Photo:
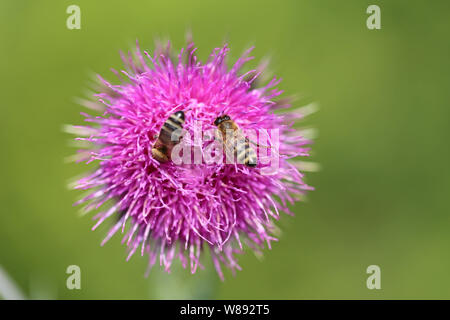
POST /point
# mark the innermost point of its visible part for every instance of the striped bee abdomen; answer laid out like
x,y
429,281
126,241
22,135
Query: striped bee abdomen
x,y
245,154
169,136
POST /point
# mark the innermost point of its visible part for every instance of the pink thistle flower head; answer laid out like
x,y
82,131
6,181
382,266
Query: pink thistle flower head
x,y
172,209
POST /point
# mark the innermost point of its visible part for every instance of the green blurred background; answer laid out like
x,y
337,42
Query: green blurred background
x,y
382,194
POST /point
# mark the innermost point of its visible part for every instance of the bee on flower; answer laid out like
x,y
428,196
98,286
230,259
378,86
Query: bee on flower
x,y
167,210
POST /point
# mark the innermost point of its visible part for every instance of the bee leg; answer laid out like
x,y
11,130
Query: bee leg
x,y
256,144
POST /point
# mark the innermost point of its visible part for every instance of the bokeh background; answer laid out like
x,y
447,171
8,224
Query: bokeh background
x,y
382,195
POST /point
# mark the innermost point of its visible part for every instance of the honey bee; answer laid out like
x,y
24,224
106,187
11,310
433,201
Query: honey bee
x,y
236,143
169,136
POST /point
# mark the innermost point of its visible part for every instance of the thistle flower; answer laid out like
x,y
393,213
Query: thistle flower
x,y
168,210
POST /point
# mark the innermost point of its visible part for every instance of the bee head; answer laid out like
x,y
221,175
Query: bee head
x,y
221,119
179,115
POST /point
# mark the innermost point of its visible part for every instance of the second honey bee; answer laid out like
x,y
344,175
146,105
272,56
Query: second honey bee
x,y
169,136
235,143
